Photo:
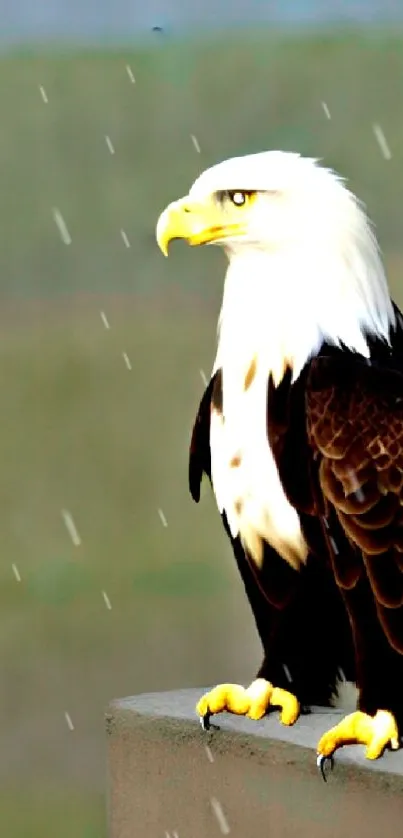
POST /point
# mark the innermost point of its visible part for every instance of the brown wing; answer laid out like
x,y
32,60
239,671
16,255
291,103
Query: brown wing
x,y
355,426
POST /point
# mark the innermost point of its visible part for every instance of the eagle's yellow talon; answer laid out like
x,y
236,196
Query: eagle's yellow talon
x,y
289,704
376,732
231,697
252,702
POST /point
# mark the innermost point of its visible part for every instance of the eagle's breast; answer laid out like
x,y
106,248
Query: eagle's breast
x,y
244,474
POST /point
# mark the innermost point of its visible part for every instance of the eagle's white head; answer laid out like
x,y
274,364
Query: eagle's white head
x,y
304,265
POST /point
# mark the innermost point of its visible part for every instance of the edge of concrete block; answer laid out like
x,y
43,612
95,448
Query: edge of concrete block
x,y
265,774
173,714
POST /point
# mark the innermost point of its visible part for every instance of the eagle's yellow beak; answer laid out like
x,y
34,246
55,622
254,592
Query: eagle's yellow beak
x,y
197,223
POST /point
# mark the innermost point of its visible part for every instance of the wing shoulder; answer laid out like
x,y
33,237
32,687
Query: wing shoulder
x,y
355,416
355,428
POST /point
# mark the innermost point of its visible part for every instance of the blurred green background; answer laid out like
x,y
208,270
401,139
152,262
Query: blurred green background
x,y
83,432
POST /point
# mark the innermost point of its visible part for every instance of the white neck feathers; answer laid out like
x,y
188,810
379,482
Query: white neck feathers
x,y
280,306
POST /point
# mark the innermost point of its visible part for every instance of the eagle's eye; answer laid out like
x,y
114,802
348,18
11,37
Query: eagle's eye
x,y
237,198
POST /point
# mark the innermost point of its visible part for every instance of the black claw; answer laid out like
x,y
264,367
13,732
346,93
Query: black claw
x,y
206,724
205,721
325,765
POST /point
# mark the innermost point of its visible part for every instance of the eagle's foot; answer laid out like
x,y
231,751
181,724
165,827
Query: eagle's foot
x,y
376,732
252,702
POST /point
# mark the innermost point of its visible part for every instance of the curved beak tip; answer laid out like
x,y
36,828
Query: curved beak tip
x,y
162,244
163,248
162,233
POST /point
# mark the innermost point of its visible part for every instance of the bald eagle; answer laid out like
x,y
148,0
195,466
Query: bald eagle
x,y
300,431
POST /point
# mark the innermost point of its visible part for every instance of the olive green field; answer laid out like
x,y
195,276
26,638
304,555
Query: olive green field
x,y
103,346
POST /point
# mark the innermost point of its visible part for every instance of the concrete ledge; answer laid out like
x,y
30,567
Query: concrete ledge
x,y
169,779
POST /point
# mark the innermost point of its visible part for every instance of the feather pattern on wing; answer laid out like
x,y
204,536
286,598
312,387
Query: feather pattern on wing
x,y
355,424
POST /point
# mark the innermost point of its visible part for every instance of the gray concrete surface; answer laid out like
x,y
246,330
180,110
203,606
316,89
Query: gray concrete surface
x,y
169,779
